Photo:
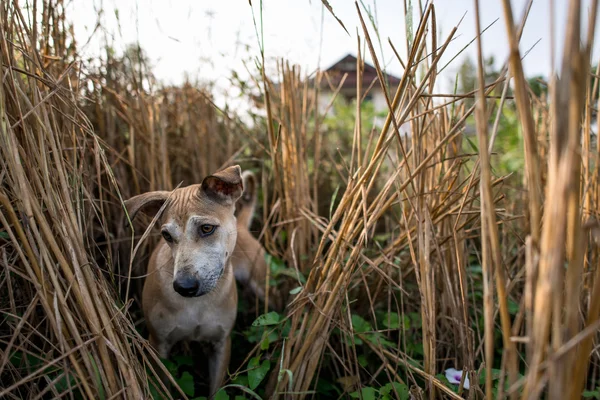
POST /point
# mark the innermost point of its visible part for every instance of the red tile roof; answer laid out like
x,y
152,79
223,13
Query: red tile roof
x,y
347,65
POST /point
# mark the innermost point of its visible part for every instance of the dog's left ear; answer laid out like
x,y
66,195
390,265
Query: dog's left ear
x,y
225,186
148,203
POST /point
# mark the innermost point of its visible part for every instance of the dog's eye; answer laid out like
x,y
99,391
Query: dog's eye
x,y
167,236
207,229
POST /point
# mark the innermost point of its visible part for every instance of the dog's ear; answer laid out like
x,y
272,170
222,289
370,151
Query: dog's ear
x,y
147,203
224,186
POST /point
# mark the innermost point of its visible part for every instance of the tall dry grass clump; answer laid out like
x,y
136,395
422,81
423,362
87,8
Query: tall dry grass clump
x,y
294,144
63,327
546,342
423,192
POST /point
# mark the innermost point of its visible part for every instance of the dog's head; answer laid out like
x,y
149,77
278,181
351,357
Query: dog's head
x,y
199,225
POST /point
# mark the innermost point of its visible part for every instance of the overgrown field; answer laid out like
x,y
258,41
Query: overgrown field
x,y
398,257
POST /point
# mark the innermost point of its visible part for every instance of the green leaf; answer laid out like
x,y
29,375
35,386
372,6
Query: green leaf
x,y
354,340
591,394
446,382
382,237
154,392
274,263
257,373
101,394
283,235
296,290
513,307
292,273
241,380
472,144
378,339
271,318
4,235
186,383
416,349
244,389
495,375
34,361
325,387
221,395
392,321
362,361
66,382
278,268
415,318
335,192
475,269
265,342
170,365
360,325
366,393
183,360
401,390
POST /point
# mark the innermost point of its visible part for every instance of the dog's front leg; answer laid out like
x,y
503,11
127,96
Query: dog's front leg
x,y
163,347
218,363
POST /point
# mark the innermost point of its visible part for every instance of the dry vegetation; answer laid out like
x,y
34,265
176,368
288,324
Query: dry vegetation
x,y
411,254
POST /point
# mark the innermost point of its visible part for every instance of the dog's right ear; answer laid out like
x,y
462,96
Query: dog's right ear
x,y
147,203
225,186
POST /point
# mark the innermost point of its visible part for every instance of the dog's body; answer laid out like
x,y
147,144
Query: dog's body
x,y
190,292
249,264
248,259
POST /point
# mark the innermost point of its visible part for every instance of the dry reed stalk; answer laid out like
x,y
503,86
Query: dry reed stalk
x,y
532,162
492,259
290,157
77,330
291,186
557,293
576,247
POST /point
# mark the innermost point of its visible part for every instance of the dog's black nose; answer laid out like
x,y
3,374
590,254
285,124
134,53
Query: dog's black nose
x,y
186,286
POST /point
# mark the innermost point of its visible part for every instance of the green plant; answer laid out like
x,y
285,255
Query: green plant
x,y
392,390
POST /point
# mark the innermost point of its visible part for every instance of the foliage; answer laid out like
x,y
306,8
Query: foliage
x,y
467,77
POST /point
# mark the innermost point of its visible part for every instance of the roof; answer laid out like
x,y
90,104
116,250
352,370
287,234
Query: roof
x,y
347,65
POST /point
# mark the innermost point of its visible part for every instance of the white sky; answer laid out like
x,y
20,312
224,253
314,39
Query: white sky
x,y
207,39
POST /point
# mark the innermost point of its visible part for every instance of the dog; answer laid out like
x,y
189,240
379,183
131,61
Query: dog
x,y
190,292
248,259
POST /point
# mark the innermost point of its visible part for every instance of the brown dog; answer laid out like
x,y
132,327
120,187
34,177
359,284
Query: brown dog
x,y
248,259
190,292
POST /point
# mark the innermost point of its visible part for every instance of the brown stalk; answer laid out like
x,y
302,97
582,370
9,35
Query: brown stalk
x,y
492,258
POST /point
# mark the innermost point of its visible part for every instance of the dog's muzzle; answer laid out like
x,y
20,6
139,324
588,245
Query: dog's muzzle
x,y
189,286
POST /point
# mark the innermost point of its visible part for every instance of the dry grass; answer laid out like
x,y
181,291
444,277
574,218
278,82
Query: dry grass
x,y
60,315
411,219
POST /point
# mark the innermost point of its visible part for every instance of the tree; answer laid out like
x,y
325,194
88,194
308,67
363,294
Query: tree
x,y
538,85
467,76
